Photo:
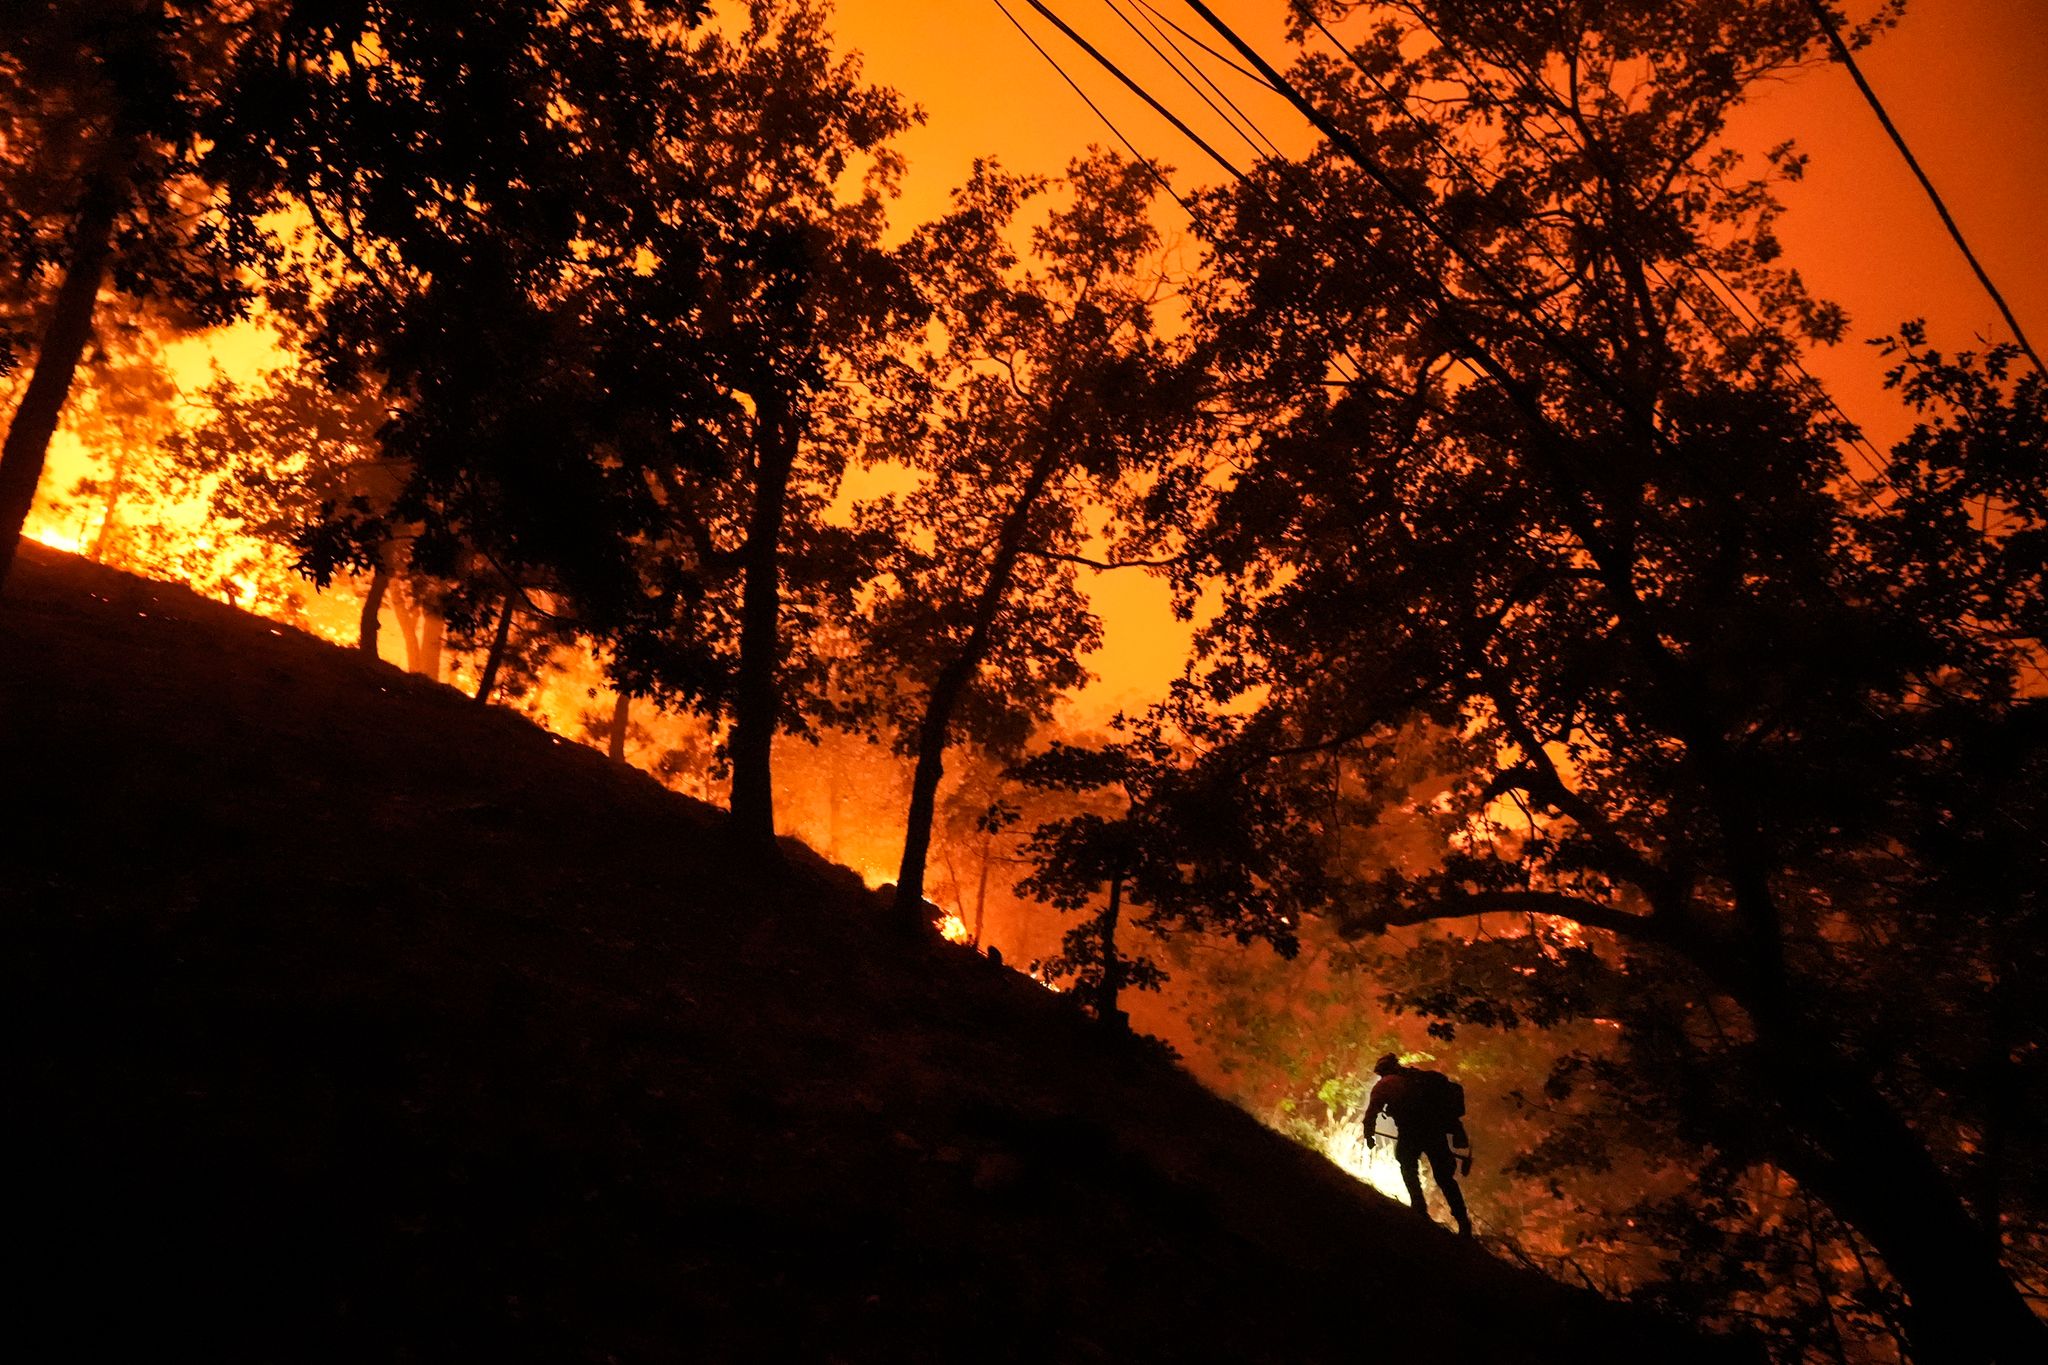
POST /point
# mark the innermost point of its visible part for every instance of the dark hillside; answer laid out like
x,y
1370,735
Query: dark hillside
x,y
353,1021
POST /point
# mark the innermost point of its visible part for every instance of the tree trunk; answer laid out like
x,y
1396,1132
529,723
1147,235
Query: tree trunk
x,y
496,659
908,910
373,609
404,608
1850,1145
110,508
622,710
757,702
981,889
935,730
1106,1007
1875,1174
63,343
433,627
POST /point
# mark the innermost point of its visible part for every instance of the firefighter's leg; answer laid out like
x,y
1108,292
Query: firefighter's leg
x,y
1409,1159
1444,1167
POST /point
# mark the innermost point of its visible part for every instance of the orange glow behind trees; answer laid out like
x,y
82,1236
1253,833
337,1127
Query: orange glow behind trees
x,y
1529,766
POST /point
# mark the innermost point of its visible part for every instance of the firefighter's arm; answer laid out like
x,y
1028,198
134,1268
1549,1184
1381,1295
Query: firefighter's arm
x,y
1374,1105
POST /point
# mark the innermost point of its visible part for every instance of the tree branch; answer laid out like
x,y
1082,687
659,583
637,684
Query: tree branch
x,y
1105,564
1557,904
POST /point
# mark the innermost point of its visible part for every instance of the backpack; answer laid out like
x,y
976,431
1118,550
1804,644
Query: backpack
x,y
1445,1098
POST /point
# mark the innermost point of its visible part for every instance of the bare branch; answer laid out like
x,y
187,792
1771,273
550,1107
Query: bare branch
x,y
1105,564
1557,904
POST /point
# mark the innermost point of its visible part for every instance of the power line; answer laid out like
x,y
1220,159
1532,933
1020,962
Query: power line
x,y
1107,121
1351,377
1756,326
1248,74
1182,63
1848,59
1185,79
1152,19
1106,64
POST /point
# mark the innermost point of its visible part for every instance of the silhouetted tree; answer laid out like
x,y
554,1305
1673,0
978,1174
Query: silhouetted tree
x,y
297,465
117,173
622,355
1520,473
1049,394
804,300
1186,843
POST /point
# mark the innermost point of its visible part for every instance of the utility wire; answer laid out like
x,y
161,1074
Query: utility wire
x,y
1181,56
1185,79
1107,121
1241,70
1152,20
1848,59
1351,376
1181,63
1754,329
1136,89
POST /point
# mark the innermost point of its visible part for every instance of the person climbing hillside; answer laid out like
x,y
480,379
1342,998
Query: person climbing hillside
x,y
1428,1110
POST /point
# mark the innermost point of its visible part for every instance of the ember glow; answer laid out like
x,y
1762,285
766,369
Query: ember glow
x,y
1343,1141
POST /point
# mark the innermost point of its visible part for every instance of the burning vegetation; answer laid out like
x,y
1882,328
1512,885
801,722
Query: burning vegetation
x,y
1562,706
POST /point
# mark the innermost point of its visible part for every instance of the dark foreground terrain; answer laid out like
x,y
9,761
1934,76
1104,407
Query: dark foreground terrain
x,y
349,1020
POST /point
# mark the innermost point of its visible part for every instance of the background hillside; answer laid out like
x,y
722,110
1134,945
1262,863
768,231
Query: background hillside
x,y
353,1020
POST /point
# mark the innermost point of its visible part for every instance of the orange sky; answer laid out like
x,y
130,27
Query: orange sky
x,y
1962,78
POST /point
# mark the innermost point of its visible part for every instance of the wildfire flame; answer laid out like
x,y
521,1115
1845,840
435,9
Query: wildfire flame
x,y
46,534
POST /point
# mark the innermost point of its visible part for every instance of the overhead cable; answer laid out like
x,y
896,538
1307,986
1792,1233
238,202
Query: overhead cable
x,y
1136,89
1241,70
1754,328
1182,58
1107,121
1250,140
1955,232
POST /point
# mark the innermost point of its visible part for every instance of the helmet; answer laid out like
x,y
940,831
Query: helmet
x,y
1387,1064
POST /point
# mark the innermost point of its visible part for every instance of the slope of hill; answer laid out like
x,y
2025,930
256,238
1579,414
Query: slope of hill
x,y
354,1021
